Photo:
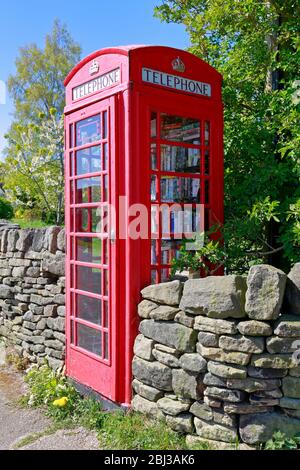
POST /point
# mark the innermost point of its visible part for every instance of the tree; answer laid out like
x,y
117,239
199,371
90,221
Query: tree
x,y
33,172
255,44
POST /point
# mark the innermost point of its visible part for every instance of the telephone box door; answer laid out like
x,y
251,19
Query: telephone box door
x,y
90,277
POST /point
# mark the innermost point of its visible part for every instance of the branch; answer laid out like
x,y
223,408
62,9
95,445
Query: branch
x,y
265,253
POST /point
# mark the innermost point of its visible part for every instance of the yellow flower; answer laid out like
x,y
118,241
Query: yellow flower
x,y
61,402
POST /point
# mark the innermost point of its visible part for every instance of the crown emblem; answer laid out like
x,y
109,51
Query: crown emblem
x,y
178,65
94,68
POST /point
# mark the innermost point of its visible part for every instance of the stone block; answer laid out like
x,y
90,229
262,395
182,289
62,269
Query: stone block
x,y
143,347
145,307
273,361
186,384
217,354
214,431
155,374
182,423
170,333
254,328
292,291
164,312
193,362
209,340
227,371
264,296
259,428
168,293
147,407
291,387
241,343
172,407
150,393
223,394
288,326
215,296
219,327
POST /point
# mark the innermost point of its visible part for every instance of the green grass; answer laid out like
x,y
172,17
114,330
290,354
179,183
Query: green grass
x,y
35,223
118,430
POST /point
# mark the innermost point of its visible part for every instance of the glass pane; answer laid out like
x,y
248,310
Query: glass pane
x,y
105,189
207,133
154,221
89,250
71,139
153,157
106,281
72,332
153,124
106,346
153,188
165,275
89,339
154,276
105,125
153,252
169,250
206,192
180,159
206,162
88,279
105,314
180,189
89,309
180,129
105,162
88,190
88,220
88,131
88,160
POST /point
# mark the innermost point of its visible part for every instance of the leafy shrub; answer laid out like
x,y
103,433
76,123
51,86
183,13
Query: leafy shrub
x,y
280,441
6,209
116,430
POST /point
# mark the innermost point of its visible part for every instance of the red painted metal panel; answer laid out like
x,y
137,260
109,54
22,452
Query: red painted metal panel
x,y
91,88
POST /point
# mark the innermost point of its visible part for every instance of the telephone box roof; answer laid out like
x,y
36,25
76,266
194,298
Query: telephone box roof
x,y
125,50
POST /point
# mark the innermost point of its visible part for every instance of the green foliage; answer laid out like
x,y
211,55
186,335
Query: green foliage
x,y
207,255
6,209
279,441
116,430
127,431
253,44
33,172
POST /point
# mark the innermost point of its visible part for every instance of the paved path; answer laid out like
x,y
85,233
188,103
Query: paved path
x,y
29,429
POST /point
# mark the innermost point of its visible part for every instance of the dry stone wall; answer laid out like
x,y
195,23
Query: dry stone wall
x,y
32,292
219,358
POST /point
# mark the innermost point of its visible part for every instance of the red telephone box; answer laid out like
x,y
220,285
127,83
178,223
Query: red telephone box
x,y
144,125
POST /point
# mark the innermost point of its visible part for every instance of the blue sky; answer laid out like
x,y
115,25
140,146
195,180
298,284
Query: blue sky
x,y
93,23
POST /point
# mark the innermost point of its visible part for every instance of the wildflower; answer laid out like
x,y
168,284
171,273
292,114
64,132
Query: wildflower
x,y
61,402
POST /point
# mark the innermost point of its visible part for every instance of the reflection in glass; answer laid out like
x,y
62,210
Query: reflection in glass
x,y
88,190
88,131
153,252
89,309
153,125
180,189
105,314
88,220
165,275
105,279
105,163
206,133
153,188
89,339
106,346
153,157
88,160
105,125
180,159
88,279
180,129
154,276
170,250
88,249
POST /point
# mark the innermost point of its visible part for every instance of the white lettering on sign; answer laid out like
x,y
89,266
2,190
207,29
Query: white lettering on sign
x,y
173,81
97,84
